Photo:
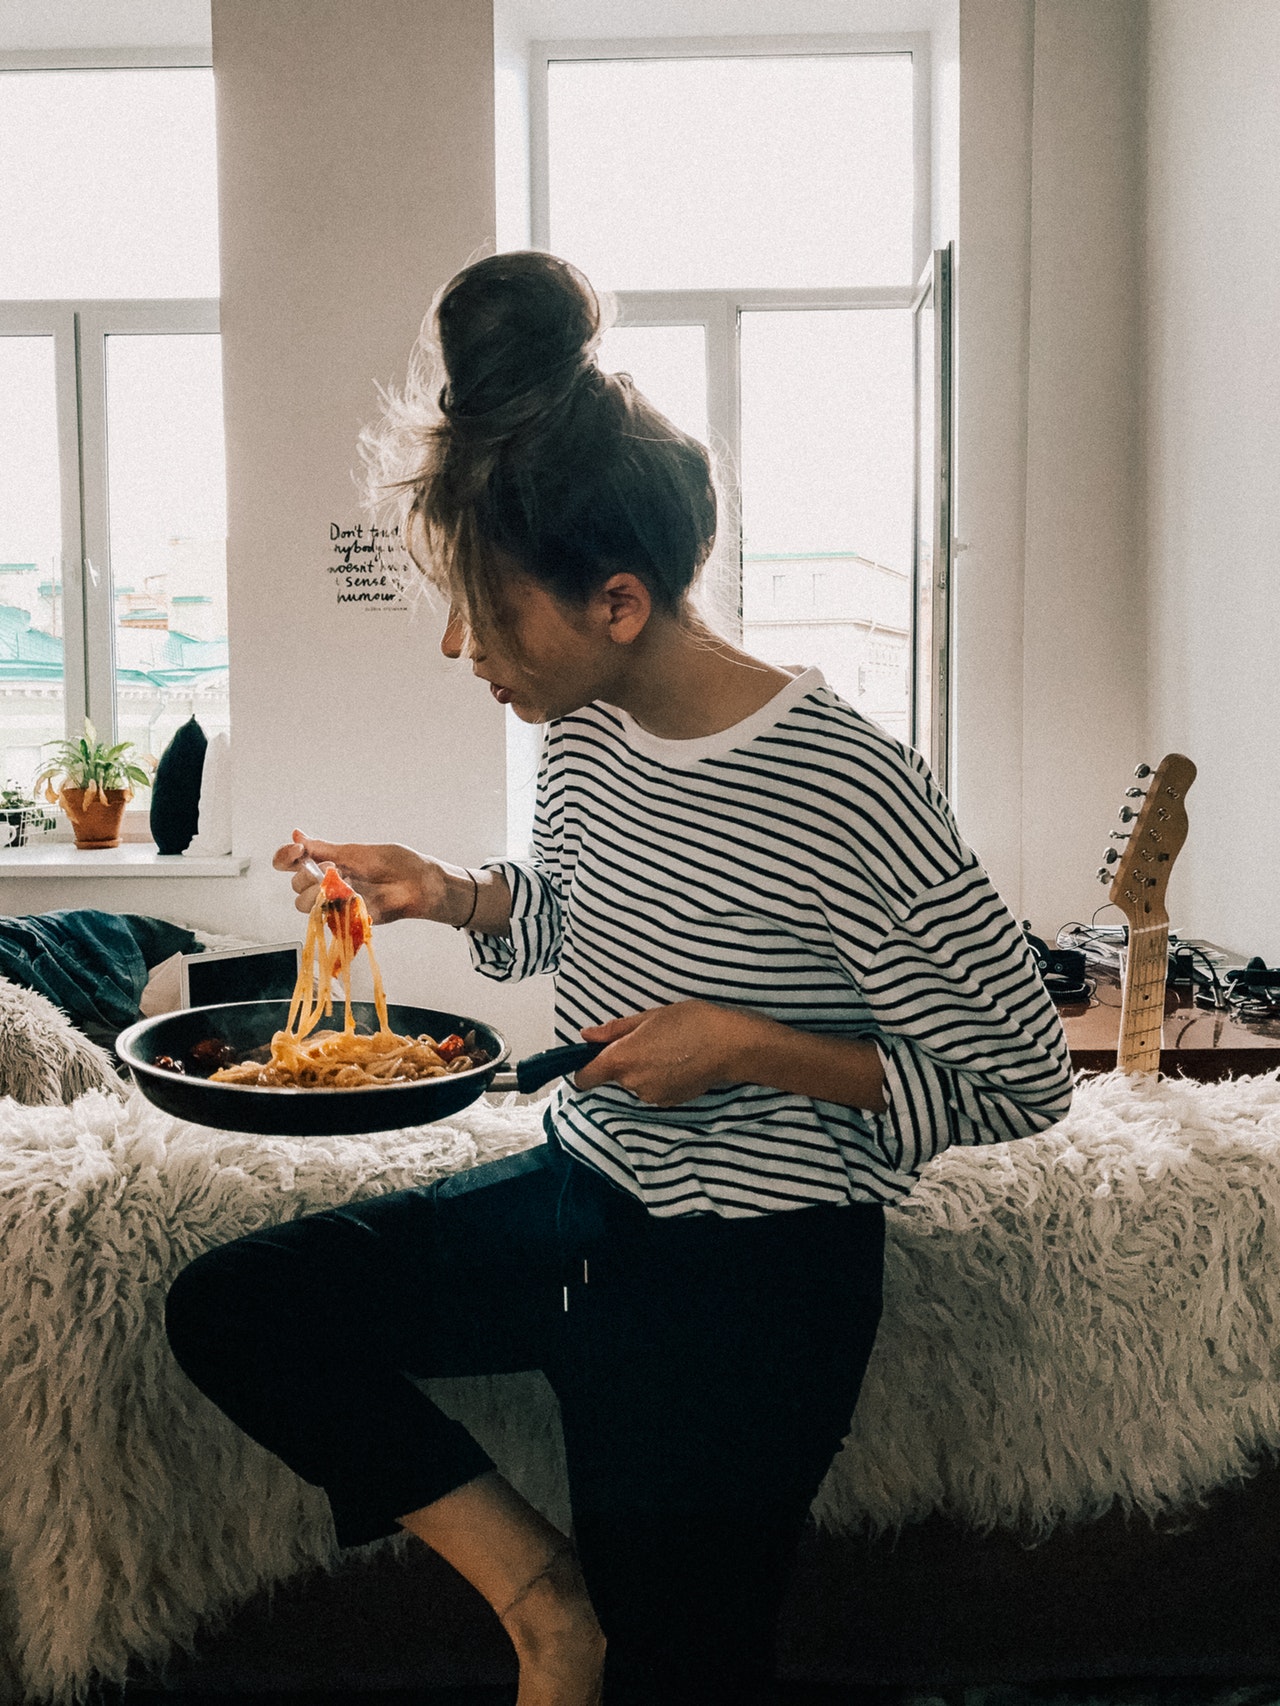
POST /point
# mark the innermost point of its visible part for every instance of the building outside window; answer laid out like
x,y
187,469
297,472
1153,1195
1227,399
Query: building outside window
x,y
112,484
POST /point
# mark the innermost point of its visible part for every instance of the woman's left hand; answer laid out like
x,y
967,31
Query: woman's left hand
x,y
669,1055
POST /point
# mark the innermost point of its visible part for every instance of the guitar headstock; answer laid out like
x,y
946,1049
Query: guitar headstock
x,y
1139,876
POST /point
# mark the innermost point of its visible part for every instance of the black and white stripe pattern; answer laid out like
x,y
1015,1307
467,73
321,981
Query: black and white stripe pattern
x,y
803,865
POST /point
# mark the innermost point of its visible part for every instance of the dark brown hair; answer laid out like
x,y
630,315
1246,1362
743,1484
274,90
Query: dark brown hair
x,y
509,440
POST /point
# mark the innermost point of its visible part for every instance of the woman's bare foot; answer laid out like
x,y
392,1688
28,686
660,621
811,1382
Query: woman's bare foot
x,y
557,1639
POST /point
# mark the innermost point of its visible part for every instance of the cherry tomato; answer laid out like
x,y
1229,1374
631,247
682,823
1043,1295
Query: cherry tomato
x,y
333,887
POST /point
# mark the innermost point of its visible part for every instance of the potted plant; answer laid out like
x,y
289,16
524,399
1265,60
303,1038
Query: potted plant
x,y
93,783
23,816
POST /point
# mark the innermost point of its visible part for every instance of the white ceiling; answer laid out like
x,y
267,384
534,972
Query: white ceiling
x,y
43,25
34,26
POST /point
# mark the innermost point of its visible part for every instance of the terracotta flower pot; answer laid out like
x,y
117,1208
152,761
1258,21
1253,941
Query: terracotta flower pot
x,y
95,821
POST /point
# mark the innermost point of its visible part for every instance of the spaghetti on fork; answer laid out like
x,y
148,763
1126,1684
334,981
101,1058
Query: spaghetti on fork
x,y
303,1057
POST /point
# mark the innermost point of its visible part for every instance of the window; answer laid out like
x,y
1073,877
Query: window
x,y
112,487
760,211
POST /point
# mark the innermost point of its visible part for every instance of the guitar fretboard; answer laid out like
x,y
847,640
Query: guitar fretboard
x,y
1146,973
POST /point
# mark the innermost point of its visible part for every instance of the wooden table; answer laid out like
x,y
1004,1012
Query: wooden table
x,y
1197,1042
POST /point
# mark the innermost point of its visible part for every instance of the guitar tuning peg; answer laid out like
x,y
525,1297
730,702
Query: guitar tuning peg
x,y
1126,814
1104,875
1135,793
1111,855
1121,834
1143,770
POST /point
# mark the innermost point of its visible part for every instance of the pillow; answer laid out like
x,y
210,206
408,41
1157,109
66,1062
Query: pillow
x,y
213,837
44,1059
175,792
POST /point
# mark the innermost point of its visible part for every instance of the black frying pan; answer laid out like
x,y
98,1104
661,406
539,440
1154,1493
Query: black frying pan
x,y
247,1025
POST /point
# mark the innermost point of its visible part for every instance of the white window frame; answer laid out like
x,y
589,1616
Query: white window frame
x,y
935,291
98,322
719,312
79,331
58,320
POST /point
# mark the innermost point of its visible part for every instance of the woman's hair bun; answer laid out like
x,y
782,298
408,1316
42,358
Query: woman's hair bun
x,y
509,444
516,332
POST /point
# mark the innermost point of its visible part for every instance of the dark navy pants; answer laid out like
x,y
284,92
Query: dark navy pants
x,y
706,1370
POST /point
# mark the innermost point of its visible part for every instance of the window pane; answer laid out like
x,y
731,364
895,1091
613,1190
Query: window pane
x,y
827,453
757,171
31,685
167,494
107,184
669,364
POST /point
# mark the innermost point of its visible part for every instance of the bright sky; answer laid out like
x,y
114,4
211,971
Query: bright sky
x,y
108,184
827,433
29,515
164,432
108,189
771,173
682,174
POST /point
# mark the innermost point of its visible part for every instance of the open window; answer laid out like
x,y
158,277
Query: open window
x,y
760,212
932,549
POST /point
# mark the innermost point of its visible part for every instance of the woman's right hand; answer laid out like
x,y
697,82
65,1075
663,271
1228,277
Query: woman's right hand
x,y
395,881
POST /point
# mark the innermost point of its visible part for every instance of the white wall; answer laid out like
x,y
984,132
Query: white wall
x,y
1084,687
1213,435
993,290
356,172
944,133
1051,685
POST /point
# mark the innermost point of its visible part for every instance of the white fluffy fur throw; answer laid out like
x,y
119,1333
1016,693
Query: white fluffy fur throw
x,y
1074,1319
43,1057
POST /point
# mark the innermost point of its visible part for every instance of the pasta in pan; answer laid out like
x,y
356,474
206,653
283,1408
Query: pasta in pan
x,y
303,1057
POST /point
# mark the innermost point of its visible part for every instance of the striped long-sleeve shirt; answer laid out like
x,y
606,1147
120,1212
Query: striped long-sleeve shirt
x,y
803,865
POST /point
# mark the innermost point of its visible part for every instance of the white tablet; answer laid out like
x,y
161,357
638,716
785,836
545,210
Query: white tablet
x,y
240,974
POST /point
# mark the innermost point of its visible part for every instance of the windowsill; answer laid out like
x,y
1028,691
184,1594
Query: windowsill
x,y
132,859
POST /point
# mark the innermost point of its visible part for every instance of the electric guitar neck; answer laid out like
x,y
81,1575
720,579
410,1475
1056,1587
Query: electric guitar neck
x,y
1139,887
1146,973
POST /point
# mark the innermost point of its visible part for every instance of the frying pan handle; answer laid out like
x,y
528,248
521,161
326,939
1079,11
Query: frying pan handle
x,y
539,1069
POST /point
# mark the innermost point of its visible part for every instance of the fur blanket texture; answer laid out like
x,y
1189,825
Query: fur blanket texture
x,y
1077,1319
43,1057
